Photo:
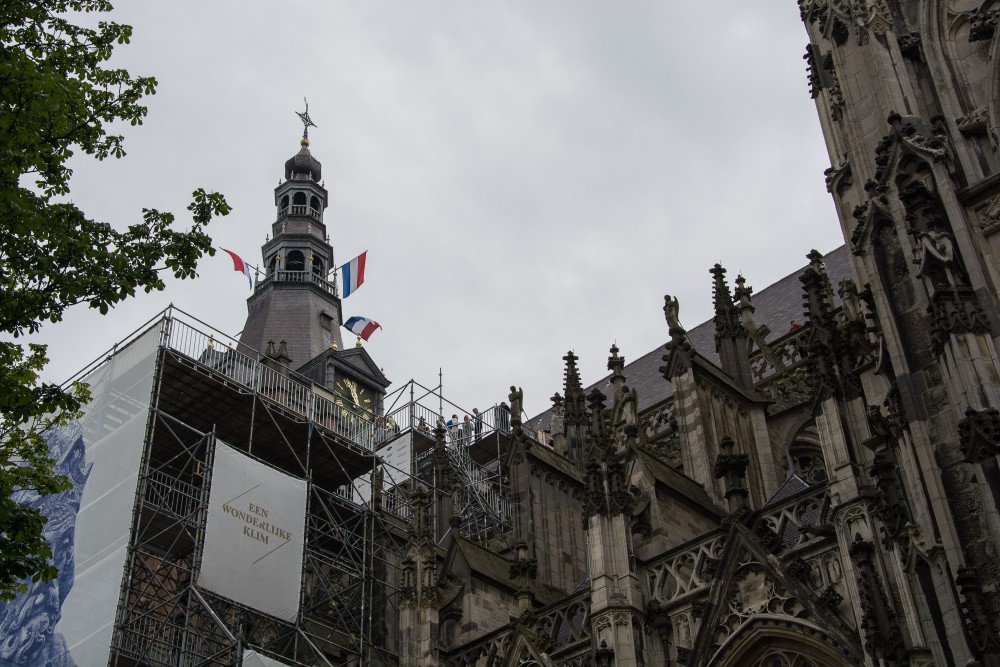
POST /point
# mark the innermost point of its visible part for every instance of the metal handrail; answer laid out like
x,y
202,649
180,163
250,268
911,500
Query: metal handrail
x,y
287,389
283,276
300,209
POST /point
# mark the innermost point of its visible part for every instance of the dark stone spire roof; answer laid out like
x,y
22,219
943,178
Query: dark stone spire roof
x,y
727,317
573,392
730,334
616,364
303,164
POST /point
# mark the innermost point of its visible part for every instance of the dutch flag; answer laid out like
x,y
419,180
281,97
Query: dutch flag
x,y
362,326
240,265
353,274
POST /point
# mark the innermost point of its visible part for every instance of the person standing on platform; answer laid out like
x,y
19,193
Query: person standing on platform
x,y
467,431
477,420
503,417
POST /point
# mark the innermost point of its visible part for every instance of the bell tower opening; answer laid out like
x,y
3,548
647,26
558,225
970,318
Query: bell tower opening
x,y
296,261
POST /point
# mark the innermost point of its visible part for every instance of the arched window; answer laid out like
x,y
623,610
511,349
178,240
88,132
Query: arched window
x,y
298,204
759,644
296,261
779,658
283,206
272,265
317,266
314,205
807,455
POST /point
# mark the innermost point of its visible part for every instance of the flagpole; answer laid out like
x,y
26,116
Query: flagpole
x,y
337,268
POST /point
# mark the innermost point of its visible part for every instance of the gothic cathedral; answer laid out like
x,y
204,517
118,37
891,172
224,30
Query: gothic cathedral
x,y
808,479
811,478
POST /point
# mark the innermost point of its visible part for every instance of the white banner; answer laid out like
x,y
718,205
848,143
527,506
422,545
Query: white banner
x,y
69,621
254,534
253,659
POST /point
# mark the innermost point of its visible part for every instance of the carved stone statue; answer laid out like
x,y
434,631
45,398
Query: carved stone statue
x,y
558,415
457,491
849,297
672,310
516,399
935,246
879,425
683,631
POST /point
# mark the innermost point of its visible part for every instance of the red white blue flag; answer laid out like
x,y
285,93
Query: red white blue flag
x,y
353,274
362,326
240,265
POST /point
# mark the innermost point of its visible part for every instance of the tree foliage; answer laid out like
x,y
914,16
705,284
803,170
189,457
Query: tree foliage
x,y
58,98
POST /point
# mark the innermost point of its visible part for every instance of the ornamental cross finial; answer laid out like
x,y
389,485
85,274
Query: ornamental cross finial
x,y
306,120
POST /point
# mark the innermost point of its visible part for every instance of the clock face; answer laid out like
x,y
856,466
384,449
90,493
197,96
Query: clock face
x,y
354,394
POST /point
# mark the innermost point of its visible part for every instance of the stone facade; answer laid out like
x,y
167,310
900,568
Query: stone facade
x,y
764,495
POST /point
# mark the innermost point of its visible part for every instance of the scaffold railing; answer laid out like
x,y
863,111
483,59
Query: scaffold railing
x,y
298,394
283,276
245,366
473,447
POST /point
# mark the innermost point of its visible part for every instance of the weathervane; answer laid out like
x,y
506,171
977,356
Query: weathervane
x,y
306,120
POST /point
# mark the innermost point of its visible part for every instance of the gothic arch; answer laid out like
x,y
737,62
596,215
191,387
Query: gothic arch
x,y
912,170
804,452
772,641
993,95
962,64
964,56
295,261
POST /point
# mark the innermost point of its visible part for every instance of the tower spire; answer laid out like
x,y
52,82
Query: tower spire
x,y
575,412
730,335
576,408
295,301
306,122
616,365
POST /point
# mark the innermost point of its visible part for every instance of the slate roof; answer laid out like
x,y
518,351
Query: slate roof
x,y
794,484
303,162
290,311
485,562
775,306
676,480
556,461
495,567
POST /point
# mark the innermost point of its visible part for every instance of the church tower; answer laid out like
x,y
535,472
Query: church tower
x,y
295,313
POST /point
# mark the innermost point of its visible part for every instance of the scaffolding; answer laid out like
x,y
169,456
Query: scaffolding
x,y
207,391
475,449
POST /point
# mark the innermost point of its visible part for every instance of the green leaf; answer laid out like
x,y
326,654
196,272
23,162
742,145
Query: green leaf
x,y
59,99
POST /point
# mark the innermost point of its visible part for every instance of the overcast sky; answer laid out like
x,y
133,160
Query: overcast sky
x,y
528,177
